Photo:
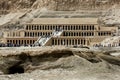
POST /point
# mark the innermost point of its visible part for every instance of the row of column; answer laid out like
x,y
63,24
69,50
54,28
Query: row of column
x,y
83,27
104,33
36,34
21,42
70,42
78,34
13,34
64,27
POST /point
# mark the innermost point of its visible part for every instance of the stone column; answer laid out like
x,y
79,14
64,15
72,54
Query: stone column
x,y
86,42
77,41
74,41
68,42
32,41
67,27
41,27
57,41
20,42
80,42
30,27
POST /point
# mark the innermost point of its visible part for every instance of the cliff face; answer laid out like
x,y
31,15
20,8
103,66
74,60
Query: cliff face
x,y
111,17
25,10
56,4
15,4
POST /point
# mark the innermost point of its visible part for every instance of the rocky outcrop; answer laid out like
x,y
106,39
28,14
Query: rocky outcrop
x,y
25,10
111,17
55,63
57,5
15,4
46,59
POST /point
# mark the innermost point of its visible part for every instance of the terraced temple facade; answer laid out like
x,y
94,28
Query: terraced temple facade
x,y
60,31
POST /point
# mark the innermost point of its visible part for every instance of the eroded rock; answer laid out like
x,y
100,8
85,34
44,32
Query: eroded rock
x,y
65,58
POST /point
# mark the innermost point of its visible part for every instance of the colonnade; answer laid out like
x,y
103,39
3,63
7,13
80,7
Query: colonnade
x,y
106,33
64,27
78,34
13,34
21,42
70,42
36,34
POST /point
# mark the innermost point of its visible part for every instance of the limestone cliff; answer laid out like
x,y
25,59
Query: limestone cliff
x,y
58,5
25,10
111,17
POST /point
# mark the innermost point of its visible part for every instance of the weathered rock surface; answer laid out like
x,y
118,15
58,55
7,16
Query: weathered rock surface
x,y
111,17
56,4
25,10
54,63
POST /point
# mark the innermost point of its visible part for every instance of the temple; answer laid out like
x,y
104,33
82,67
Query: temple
x,y
60,31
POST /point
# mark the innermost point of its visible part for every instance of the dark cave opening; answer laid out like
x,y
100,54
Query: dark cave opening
x,y
16,69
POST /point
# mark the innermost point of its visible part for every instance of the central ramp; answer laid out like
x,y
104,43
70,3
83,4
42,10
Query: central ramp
x,y
42,40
